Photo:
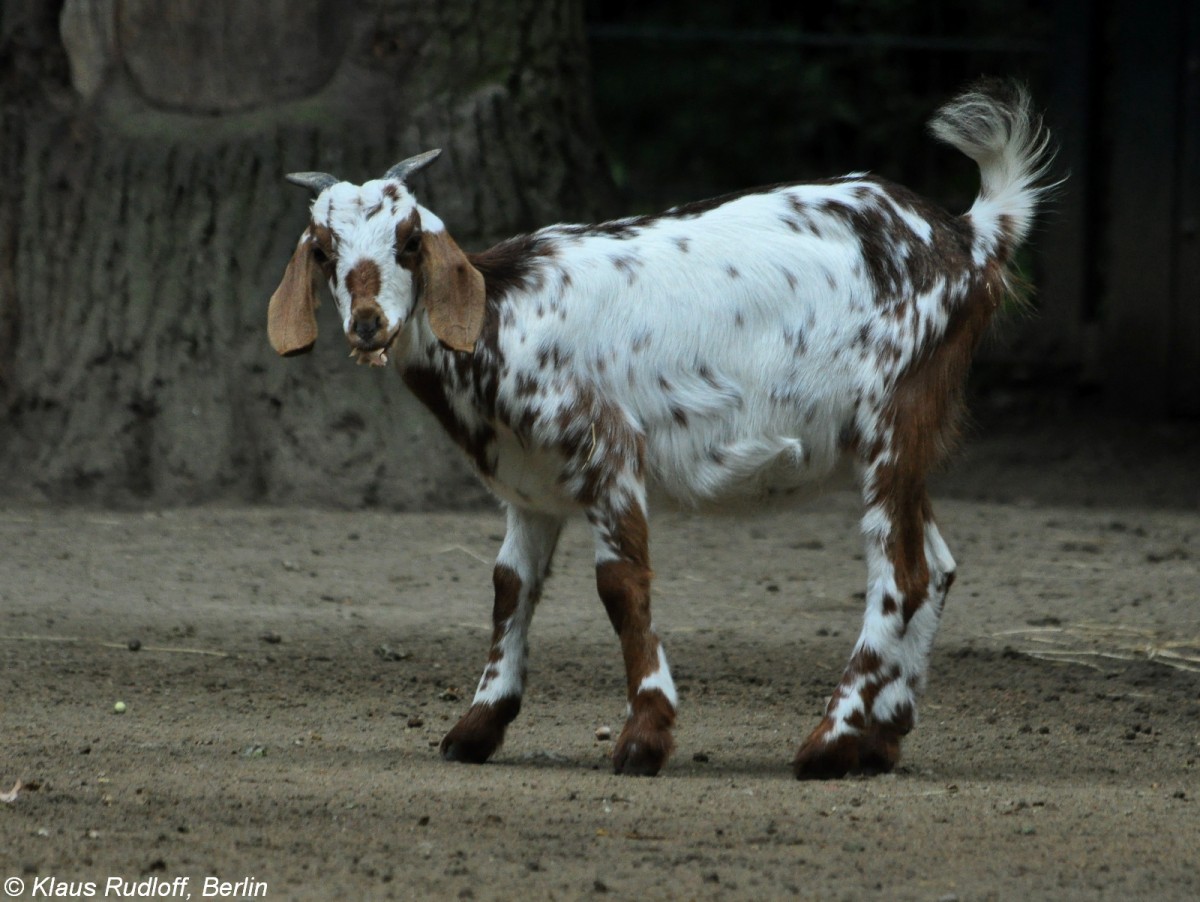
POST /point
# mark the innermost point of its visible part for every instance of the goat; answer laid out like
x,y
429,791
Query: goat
x,y
724,351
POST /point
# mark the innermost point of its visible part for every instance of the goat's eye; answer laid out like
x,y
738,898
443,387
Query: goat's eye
x,y
412,245
320,256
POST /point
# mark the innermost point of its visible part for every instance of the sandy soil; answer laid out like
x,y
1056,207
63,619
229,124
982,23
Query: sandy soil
x,y
295,669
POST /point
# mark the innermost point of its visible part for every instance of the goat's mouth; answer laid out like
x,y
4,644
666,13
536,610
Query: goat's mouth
x,y
374,353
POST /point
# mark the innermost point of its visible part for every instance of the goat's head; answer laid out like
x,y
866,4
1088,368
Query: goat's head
x,y
382,255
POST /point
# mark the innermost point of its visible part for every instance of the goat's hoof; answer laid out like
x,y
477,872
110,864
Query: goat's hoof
x,y
467,750
479,732
641,753
870,753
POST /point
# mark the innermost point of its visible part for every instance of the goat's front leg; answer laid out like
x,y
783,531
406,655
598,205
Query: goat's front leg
x,y
623,582
521,568
874,706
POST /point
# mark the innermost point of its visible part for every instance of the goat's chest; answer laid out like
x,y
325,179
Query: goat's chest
x,y
526,474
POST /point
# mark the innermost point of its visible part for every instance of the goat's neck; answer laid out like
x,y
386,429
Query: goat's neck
x,y
458,388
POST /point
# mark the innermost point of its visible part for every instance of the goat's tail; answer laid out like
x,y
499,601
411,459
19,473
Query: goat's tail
x,y
994,124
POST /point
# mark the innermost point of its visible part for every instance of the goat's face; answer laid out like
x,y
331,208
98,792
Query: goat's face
x,y
382,255
366,240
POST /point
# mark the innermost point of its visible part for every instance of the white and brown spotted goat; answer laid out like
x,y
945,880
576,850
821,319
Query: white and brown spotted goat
x,y
726,350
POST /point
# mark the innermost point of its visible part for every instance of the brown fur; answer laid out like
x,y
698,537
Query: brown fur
x,y
624,587
453,292
430,390
480,731
291,313
363,282
509,265
645,743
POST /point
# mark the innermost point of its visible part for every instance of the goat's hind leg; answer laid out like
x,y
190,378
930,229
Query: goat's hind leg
x,y
874,706
521,568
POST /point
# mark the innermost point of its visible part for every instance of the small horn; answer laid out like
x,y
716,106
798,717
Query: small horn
x,y
316,181
401,171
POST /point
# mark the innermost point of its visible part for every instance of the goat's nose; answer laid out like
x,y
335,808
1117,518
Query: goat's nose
x,y
366,325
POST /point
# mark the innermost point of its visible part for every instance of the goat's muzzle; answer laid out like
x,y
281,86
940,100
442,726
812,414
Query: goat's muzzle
x,y
366,326
369,339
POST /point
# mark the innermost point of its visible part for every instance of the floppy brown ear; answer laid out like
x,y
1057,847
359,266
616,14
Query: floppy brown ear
x,y
453,292
291,315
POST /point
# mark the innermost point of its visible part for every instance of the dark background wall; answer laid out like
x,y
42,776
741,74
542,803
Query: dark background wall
x,y
144,220
697,98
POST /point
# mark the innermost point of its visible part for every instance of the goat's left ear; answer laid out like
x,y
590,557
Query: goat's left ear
x,y
291,315
453,292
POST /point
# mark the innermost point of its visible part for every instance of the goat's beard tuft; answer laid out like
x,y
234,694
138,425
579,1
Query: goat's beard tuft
x,y
374,356
377,357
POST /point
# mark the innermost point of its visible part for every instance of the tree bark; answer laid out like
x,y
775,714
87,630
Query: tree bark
x,y
144,223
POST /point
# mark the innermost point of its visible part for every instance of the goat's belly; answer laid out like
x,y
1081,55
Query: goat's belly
x,y
742,473
746,497
684,468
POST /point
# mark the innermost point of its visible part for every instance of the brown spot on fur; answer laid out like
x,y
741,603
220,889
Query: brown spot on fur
x,y
586,423
797,340
430,390
879,227
527,386
507,585
363,283
874,751
406,254
627,265
324,250
923,415
513,265
621,229
624,588
323,237
900,723
865,661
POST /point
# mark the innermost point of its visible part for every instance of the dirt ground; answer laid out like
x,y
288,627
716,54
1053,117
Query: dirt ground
x,y
287,675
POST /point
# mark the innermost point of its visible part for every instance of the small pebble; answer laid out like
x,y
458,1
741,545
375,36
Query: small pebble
x,y
603,733
134,644
119,708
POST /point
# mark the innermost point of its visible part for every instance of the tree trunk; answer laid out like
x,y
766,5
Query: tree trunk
x,y
144,222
